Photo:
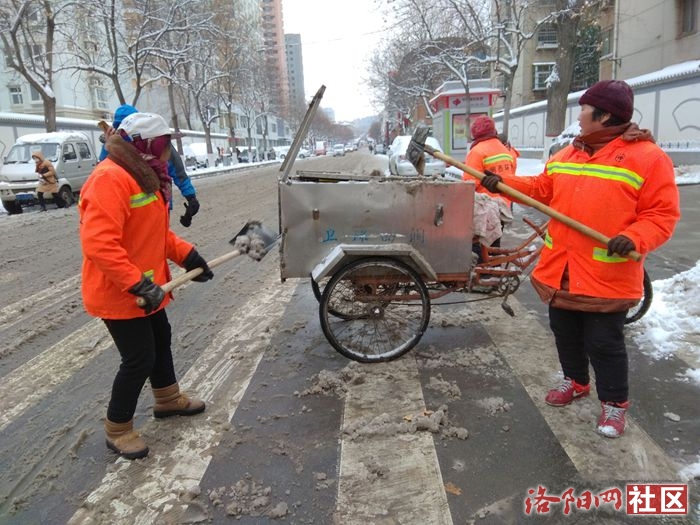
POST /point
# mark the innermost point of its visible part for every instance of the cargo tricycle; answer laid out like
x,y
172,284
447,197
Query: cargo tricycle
x,y
378,250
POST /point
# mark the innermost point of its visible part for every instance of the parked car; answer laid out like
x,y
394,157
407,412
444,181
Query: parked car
x,y
400,166
73,158
350,147
190,157
199,151
338,150
248,154
281,151
379,149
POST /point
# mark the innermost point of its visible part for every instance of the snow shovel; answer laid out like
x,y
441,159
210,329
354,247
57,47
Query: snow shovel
x,y
414,153
254,239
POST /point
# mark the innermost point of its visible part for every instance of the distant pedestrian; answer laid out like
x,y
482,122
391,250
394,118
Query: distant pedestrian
x,y
48,181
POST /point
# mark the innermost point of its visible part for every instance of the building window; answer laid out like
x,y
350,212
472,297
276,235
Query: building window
x,y
33,52
547,36
16,96
34,95
99,93
540,74
606,40
688,12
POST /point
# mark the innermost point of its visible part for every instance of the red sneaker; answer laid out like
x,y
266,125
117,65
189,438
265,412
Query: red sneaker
x,y
566,393
611,422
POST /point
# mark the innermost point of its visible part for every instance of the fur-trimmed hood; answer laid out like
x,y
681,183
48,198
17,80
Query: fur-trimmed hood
x,y
129,158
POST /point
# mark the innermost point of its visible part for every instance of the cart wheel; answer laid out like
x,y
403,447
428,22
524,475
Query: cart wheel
x,y
318,288
637,312
384,306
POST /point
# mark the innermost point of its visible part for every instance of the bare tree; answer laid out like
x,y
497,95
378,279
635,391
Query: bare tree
x,y
233,45
462,39
569,19
100,51
27,30
400,79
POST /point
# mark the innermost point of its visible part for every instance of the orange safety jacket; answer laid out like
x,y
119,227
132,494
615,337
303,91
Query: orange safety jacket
x,y
493,155
125,234
625,188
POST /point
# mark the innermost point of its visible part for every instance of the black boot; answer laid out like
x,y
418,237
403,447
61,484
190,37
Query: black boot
x,y
42,204
60,203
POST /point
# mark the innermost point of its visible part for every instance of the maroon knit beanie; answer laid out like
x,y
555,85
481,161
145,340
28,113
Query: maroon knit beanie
x,y
483,127
612,96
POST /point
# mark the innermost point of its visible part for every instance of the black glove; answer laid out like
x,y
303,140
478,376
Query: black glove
x,y
194,260
191,209
150,292
192,205
490,181
186,219
620,245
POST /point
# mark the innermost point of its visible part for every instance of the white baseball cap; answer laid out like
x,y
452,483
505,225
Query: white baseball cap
x,y
145,126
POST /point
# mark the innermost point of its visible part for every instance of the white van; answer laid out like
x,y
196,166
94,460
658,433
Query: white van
x,y
199,150
71,154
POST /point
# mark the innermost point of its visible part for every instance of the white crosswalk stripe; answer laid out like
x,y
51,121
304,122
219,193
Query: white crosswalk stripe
x,y
25,386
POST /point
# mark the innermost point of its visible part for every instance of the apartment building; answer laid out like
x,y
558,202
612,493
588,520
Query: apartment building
x,y
647,35
83,95
275,54
295,70
636,37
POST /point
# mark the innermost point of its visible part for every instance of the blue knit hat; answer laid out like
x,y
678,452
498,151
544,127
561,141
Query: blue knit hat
x,y
121,113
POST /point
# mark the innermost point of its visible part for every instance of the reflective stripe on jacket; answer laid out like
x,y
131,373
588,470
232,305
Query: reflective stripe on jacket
x,y
492,155
625,188
124,234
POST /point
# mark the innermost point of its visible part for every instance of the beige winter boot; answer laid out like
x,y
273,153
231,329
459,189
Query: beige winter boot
x,y
171,402
124,440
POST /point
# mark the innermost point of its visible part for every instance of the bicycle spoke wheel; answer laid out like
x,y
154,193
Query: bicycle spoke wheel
x,y
384,309
318,288
637,312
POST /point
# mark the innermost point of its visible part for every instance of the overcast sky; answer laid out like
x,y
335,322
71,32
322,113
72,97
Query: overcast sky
x,y
337,38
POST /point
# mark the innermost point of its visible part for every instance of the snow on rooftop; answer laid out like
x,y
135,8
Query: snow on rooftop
x,y
56,136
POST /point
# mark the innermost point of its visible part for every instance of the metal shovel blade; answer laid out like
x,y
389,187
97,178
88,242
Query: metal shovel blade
x,y
255,239
415,152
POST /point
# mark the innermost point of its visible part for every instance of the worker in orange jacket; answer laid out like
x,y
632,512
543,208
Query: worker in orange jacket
x,y
126,242
487,153
615,179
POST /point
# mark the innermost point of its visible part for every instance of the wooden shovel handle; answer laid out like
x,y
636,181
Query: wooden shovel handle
x,y
188,276
526,199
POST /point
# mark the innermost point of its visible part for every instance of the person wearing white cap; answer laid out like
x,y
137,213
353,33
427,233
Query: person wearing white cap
x,y
126,242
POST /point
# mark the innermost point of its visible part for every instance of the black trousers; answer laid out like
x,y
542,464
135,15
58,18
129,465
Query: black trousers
x,y
144,346
595,338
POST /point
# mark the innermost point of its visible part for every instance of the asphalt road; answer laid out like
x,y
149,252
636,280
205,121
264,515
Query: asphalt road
x,y
453,432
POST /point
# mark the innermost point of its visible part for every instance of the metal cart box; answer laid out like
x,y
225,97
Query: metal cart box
x,y
432,216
